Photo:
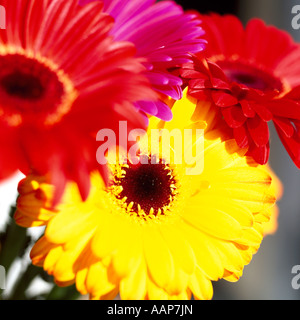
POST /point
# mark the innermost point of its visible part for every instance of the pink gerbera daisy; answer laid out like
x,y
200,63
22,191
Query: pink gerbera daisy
x,y
164,36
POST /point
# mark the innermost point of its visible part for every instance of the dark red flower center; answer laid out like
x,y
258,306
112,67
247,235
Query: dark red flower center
x,y
24,86
250,76
147,186
31,88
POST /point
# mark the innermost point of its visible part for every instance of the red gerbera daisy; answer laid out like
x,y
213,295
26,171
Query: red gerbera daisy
x,y
248,74
62,78
164,37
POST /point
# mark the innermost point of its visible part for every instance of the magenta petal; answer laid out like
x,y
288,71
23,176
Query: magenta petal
x,y
157,79
163,78
158,57
149,107
173,92
158,109
164,111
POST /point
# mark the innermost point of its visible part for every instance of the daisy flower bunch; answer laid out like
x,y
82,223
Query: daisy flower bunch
x,y
153,228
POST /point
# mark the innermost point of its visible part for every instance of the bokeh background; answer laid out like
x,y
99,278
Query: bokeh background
x,y
269,276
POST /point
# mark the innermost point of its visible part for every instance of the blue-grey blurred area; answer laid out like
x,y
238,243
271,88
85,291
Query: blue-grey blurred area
x,y
269,275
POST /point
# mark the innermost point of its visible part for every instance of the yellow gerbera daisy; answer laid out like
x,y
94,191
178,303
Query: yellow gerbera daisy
x,y
156,232
272,226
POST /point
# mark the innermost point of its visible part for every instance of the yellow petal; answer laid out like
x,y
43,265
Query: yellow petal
x,y
69,224
207,256
183,111
64,268
80,281
23,220
40,251
230,255
158,257
97,280
220,155
250,237
179,284
107,239
52,258
200,286
123,263
181,250
134,287
155,292
230,206
214,222
205,112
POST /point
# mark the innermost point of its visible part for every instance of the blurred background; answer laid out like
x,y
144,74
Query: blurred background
x,y
268,276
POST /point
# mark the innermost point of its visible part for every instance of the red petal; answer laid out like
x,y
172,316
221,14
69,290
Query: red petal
x,y
241,137
262,112
200,84
260,154
285,108
190,73
292,146
293,94
259,131
216,71
201,95
222,99
58,179
285,126
234,117
11,156
220,84
266,44
248,111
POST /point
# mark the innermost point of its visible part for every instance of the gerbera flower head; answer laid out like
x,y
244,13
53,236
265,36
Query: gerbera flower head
x,y
155,232
164,37
248,76
62,79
